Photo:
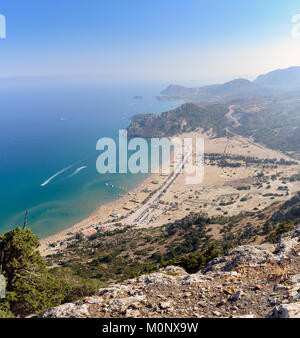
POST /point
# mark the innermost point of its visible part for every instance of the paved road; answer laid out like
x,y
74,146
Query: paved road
x,y
142,214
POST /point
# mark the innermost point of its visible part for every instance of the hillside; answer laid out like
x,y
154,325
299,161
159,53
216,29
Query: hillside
x,y
281,78
232,88
272,83
272,122
249,282
245,270
187,117
91,274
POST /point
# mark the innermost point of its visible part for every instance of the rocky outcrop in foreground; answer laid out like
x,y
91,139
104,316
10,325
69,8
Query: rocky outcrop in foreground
x,y
249,282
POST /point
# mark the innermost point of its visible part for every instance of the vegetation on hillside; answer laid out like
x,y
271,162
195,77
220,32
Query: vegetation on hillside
x,y
188,117
273,123
35,284
30,286
276,125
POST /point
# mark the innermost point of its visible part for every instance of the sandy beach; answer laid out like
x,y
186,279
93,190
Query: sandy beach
x,y
101,216
160,198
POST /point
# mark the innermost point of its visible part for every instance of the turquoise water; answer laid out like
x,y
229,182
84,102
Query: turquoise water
x,y
45,129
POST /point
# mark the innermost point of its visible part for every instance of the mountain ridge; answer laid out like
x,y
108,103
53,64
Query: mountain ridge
x,y
288,77
271,83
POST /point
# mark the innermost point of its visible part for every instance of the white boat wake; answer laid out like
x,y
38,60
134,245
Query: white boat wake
x,y
52,177
77,171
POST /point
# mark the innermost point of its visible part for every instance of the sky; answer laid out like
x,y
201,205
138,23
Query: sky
x,y
182,41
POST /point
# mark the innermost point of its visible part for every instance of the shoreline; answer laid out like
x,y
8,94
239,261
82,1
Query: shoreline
x,y
99,217
159,199
101,213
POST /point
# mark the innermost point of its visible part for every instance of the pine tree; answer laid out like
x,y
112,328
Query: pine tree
x,y
30,288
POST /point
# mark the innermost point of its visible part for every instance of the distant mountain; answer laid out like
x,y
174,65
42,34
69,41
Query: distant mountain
x,y
229,88
281,78
268,84
234,87
176,90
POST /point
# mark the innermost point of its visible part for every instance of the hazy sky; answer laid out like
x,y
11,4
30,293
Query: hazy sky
x,y
164,40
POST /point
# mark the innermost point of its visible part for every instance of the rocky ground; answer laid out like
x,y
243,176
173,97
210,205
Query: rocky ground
x,y
250,281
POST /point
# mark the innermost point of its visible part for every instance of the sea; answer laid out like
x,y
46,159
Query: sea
x,y
48,136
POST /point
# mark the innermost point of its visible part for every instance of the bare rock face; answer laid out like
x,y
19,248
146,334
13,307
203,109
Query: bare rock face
x,y
285,311
164,276
123,303
243,255
193,279
289,243
174,270
68,310
249,282
257,254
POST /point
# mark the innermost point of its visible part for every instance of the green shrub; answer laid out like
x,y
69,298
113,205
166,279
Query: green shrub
x,y
281,229
30,287
193,262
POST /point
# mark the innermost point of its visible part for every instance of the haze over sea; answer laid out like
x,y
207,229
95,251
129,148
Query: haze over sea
x,y
48,136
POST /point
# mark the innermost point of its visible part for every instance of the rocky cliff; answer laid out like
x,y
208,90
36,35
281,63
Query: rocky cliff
x,y
249,282
185,118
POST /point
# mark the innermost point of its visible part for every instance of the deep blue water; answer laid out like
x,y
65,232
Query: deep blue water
x,y
46,128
